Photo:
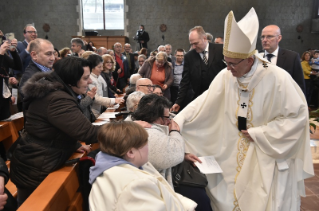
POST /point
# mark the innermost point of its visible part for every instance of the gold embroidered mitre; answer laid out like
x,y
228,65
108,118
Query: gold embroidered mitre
x,y
240,38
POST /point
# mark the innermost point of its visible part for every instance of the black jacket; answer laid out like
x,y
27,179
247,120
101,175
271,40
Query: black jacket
x,y
192,70
290,61
5,63
131,61
28,73
54,124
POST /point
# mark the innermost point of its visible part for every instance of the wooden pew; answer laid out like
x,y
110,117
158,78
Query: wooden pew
x,y
58,191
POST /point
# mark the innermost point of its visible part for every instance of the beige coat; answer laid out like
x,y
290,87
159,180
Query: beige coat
x,y
126,187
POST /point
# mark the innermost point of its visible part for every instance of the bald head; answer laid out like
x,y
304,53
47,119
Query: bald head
x,y
270,38
144,85
101,51
42,52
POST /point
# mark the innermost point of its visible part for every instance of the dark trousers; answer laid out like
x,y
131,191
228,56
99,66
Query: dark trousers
x,y
23,194
309,90
198,195
174,93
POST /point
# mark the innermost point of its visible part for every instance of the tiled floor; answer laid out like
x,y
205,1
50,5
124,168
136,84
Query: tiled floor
x,y
311,201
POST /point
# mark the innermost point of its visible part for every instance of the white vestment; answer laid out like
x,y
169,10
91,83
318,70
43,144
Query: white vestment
x,y
269,173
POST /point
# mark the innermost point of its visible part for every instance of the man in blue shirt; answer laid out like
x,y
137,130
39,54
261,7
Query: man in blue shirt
x,y
177,72
42,59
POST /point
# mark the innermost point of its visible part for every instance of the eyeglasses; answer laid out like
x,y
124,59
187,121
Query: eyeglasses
x,y
167,117
109,62
148,86
267,37
32,32
231,64
179,55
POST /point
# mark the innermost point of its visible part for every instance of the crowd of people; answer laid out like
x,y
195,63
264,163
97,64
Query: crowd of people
x,y
246,108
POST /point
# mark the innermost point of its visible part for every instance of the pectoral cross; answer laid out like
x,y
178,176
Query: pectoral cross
x,y
243,105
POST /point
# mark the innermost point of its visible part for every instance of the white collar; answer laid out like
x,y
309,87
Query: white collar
x,y
247,77
275,53
206,49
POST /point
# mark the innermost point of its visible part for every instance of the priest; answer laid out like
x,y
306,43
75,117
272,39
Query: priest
x,y
254,120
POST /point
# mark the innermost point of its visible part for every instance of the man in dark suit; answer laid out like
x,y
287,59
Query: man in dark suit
x,y
29,33
142,37
286,59
129,57
201,65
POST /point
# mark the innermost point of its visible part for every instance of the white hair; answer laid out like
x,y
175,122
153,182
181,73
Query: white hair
x,y
134,78
132,100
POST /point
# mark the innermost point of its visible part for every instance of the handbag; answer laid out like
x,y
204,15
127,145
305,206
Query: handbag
x,y
186,174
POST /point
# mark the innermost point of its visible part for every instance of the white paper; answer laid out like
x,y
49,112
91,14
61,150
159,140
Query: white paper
x,y
100,122
15,95
108,115
116,106
13,117
209,165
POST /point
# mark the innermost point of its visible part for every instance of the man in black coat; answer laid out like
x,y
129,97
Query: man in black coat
x,y
129,57
286,59
201,65
142,37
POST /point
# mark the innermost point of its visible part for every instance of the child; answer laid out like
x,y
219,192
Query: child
x,y
314,62
118,179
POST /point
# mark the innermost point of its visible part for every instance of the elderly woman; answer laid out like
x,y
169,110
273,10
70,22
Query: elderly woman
x,y
54,124
132,102
141,59
166,145
101,97
160,71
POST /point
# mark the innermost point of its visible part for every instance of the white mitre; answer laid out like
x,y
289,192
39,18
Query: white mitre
x,y
240,38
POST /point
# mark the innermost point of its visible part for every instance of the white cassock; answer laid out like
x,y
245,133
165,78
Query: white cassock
x,y
269,173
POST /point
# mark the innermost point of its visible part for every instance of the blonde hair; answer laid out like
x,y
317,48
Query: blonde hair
x,y
86,54
117,138
64,52
106,58
161,56
200,30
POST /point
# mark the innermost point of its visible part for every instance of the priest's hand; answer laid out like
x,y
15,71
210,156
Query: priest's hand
x,y
175,108
246,134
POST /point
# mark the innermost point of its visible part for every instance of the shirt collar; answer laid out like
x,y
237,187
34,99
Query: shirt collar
x,y
41,67
275,53
179,64
206,49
